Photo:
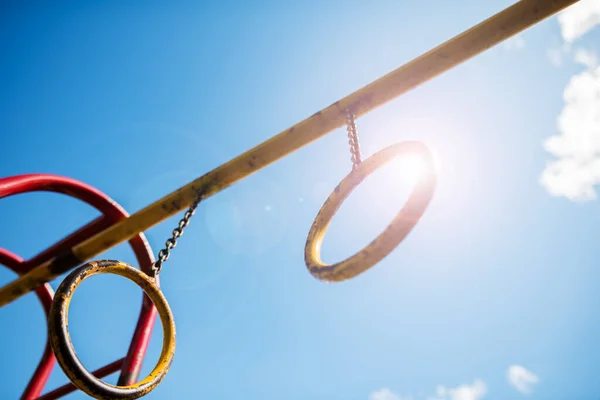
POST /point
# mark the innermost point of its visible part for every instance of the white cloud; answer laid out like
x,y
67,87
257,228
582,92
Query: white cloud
x,y
575,21
476,391
386,394
586,57
577,146
521,379
576,170
578,19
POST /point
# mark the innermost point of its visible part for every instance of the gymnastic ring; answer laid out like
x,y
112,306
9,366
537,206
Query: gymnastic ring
x,y
387,240
61,340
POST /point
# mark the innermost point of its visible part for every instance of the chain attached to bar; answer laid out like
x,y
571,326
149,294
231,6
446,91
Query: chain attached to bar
x,y
353,139
164,254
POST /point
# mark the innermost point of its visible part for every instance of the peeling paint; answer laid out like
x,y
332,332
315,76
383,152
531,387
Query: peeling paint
x,y
63,348
391,237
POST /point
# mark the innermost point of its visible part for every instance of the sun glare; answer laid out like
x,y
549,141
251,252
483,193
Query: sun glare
x,y
410,168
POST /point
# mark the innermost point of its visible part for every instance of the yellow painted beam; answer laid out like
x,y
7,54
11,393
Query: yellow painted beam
x,y
479,38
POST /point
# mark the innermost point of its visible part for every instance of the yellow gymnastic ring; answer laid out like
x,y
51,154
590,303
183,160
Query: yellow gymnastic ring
x,y
400,226
63,348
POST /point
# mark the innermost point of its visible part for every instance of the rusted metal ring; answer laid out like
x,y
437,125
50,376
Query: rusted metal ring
x,y
391,237
63,348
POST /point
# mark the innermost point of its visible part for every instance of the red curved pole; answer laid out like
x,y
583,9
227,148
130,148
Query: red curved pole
x,y
112,213
70,388
45,293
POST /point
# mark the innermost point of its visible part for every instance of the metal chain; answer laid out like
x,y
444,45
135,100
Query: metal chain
x,y
164,254
353,139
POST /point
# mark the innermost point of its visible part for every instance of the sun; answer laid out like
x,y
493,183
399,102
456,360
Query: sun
x,y
409,169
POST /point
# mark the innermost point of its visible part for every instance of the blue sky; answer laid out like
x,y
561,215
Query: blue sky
x,y
502,271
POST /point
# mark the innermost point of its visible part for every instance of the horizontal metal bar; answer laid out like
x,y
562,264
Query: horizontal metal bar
x,y
479,38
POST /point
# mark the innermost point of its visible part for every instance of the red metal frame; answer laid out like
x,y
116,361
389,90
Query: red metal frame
x,y
131,364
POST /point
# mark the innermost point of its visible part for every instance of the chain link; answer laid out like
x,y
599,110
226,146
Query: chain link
x,y
164,254
353,139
